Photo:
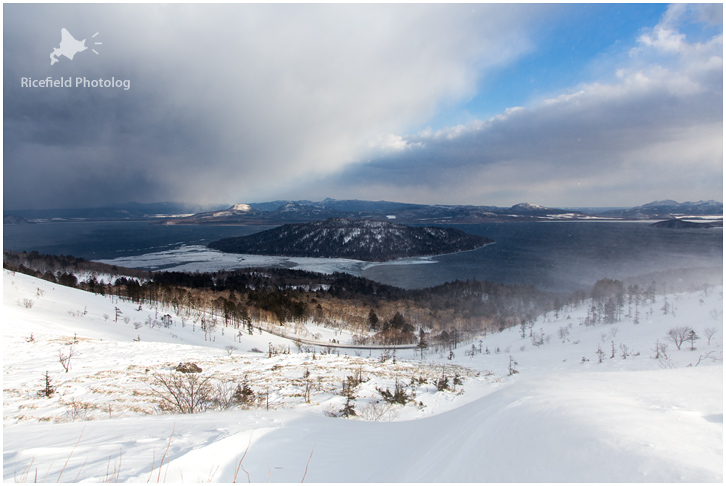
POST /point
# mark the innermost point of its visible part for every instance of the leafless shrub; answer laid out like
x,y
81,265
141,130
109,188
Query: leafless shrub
x,y
378,411
28,303
230,349
666,362
512,366
182,392
65,360
709,332
224,395
76,410
660,349
711,355
274,350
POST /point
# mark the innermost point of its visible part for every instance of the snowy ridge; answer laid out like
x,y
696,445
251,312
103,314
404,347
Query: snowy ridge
x,y
563,417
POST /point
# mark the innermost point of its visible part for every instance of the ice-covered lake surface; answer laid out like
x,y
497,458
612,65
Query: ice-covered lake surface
x,y
198,258
559,256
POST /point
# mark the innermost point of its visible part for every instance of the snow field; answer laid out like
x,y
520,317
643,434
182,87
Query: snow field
x,y
113,378
559,419
193,258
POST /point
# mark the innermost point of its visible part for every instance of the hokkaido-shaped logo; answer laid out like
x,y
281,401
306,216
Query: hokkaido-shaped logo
x,y
69,47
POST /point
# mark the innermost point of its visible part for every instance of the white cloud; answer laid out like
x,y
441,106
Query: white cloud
x,y
655,131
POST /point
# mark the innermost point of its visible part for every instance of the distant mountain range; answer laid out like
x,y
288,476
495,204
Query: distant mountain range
x,y
668,209
119,212
365,240
281,212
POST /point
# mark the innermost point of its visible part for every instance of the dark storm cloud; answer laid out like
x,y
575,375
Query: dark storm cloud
x,y
228,102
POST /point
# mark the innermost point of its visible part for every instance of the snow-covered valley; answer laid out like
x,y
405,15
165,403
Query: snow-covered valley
x,y
560,401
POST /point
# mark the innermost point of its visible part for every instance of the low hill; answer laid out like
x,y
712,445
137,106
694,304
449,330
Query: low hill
x,y
681,224
12,219
668,209
365,240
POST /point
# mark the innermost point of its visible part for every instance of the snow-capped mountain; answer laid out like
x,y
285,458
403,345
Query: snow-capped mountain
x,y
365,240
531,209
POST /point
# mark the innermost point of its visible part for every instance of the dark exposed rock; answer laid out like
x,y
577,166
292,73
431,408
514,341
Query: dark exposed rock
x,y
188,368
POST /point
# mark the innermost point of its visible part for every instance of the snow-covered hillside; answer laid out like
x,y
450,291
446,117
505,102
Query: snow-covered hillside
x,y
568,414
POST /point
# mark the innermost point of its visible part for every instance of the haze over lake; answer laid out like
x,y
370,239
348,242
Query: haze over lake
x,y
558,256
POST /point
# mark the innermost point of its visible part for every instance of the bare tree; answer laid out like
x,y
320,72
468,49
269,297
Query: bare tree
x,y
678,334
183,392
709,332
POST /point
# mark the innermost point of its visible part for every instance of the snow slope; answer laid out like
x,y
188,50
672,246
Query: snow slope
x,y
563,417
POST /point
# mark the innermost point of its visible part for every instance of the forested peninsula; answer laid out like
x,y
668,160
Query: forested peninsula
x,y
366,240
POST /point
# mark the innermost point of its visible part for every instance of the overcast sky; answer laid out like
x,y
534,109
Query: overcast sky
x,y
559,105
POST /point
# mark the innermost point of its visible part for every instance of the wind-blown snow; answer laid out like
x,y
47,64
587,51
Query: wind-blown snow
x,y
563,418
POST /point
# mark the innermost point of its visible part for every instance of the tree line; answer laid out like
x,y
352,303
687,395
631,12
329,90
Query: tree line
x,y
375,313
